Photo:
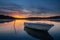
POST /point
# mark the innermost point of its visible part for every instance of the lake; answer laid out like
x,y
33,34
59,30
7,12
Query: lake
x,y
14,30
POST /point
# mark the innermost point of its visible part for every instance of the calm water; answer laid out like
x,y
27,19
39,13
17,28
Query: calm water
x,y
14,30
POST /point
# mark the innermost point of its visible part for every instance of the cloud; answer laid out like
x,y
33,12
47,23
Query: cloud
x,y
42,7
38,10
26,10
9,5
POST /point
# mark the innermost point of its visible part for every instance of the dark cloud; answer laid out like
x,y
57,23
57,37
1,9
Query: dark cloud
x,y
31,6
9,5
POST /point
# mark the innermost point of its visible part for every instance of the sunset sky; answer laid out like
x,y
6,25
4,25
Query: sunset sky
x,y
25,8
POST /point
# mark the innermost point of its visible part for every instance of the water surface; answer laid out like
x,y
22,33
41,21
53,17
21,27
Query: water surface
x,y
14,30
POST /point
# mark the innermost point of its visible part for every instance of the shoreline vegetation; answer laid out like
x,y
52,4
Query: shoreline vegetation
x,y
9,17
53,18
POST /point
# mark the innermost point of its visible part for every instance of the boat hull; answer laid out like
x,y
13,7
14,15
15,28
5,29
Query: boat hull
x,y
38,26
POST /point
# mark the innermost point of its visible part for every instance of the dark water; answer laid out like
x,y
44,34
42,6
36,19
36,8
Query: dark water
x,y
15,30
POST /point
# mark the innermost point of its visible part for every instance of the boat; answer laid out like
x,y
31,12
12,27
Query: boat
x,y
38,26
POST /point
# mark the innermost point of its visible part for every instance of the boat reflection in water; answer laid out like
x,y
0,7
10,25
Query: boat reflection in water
x,y
37,33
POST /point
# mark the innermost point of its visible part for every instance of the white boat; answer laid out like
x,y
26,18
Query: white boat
x,y
38,26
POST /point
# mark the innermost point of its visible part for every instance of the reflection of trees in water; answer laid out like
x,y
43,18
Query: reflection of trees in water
x,y
52,20
43,35
5,20
9,20
55,20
